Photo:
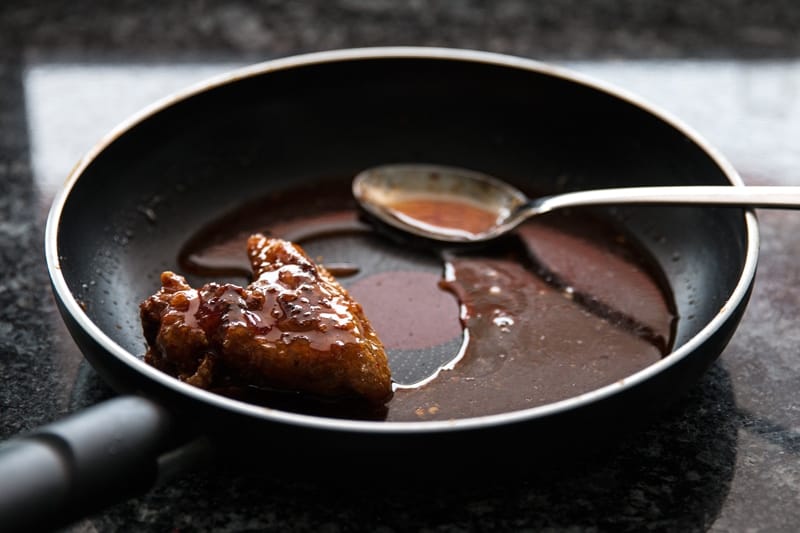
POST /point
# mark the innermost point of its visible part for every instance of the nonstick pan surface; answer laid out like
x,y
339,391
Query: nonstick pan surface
x,y
134,201
138,198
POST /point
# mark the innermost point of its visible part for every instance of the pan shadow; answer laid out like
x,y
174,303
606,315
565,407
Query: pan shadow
x,y
674,474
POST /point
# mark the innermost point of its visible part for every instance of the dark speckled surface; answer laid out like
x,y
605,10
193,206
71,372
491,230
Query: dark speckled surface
x,y
726,458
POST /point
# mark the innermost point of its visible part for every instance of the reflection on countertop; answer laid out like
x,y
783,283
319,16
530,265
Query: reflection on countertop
x,y
749,110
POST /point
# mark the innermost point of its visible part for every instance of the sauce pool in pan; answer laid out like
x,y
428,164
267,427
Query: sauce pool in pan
x,y
564,306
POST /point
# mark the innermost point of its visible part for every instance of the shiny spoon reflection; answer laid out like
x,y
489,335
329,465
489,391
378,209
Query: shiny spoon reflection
x,y
458,205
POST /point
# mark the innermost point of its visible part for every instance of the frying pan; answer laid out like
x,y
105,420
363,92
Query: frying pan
x,y
144,189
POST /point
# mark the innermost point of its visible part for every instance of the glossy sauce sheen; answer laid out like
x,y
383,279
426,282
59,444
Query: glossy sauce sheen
x,y
446,214
275,315
564,306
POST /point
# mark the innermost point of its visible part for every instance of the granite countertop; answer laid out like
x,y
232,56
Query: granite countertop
x,y
725,458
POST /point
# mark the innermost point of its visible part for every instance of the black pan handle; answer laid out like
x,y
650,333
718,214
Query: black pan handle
x,y
83,463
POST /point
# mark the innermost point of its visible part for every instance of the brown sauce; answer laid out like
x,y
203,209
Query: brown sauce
x,y
447,215
562,307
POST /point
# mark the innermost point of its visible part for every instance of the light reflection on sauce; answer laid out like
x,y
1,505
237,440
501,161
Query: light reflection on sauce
x,y
564,306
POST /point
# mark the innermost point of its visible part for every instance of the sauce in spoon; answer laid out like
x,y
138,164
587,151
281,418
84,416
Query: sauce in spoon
x,y
380,190
449,215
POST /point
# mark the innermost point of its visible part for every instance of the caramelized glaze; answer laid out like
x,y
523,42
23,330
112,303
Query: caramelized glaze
x,y
294,328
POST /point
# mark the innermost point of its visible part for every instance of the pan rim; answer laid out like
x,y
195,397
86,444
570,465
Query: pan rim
x,y
73,308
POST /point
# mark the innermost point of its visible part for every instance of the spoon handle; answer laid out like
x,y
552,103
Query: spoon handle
x,y
786,197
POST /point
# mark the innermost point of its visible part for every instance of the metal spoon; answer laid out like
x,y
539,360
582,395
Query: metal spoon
x,y
458,205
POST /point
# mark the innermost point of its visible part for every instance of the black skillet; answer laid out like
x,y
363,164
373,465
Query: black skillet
x,y
138,196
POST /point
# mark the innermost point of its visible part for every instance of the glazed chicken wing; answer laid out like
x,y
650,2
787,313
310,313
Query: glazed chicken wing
x,y
293,328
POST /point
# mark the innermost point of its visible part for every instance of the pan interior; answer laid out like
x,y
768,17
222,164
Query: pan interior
x,y
137,203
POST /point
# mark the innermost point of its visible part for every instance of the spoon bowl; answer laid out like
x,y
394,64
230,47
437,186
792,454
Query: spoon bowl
x,y
458,205
438,202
